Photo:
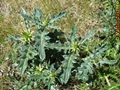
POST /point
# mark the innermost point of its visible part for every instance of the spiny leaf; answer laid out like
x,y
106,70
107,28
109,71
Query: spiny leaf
x,y
53,27
58,46
24,66
26,17
55,17
41,46
100,50
23,12
37,13
68,66
41,50
105,61
73,33
87,36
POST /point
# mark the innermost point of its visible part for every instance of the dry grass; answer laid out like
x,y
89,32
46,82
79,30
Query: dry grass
x,y
80,13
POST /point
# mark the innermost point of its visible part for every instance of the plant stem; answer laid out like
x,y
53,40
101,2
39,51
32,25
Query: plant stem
x,y
106,78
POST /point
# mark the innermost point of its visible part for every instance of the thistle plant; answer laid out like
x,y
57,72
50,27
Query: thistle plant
x,y
49,60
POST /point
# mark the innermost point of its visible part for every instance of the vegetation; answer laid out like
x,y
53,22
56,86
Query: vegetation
x,y
45,57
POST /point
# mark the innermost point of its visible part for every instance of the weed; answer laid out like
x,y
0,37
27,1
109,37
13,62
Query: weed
x,y
44,58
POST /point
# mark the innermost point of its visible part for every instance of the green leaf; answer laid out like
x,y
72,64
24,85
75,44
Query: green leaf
x,y
41,52
55,17
87,36
23,12
41,49
41,46
25,16
53,27
52,87
73,33
23,87
105,61
37,13
84,69
100,50
68,65
84,75
24,65
57,46
31,53
37,77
